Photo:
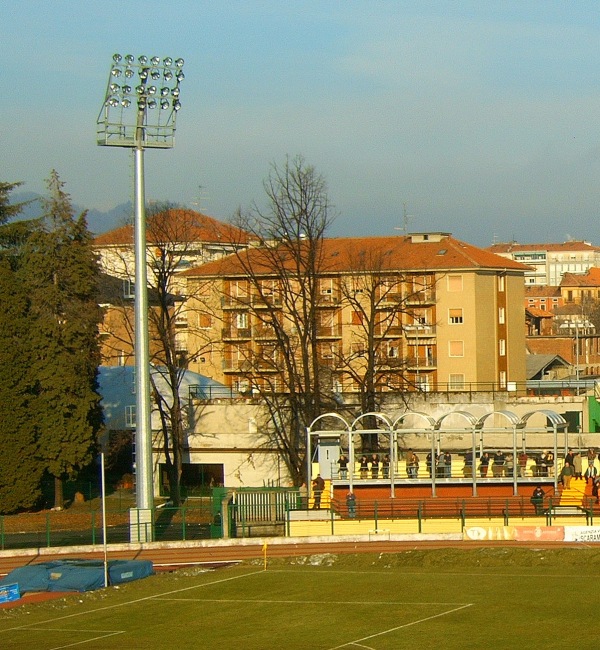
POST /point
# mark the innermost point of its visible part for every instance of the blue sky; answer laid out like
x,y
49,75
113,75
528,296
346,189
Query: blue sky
x,y
483,118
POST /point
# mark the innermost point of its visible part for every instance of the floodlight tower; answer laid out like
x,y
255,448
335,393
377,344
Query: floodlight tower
x,y
139,111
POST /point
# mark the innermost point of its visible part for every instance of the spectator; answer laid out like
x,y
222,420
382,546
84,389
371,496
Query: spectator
x,y
318,486
522,462
351,504
596,489
590,474
543,468
537,499
428,463
578,466
468,468
364,467
447,464
549,463
375,466
412,464
385,466
498,466
484,464
570,457
566,475
510,465
343,465
591,456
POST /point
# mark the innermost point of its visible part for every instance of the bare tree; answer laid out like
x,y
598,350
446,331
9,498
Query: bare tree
x,y
173,241
283,275
385,313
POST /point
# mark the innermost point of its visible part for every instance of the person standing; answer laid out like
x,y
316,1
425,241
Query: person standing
x,y
498,466
412,464
343,465
566,475
385,466
364,467
522,461
351,505
578,466
549,463
375,466
590,474
484,464
447,464
318,486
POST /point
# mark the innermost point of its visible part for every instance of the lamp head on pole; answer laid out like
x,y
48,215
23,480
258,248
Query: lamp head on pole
x,y
142,100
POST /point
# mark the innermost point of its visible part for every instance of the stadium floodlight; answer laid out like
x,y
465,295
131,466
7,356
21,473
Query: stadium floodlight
x,y
133,117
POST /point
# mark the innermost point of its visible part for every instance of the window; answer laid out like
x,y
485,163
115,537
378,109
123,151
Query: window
x,y
455,283
204,321
502,347
501,280
455,316
130,416
241,320
357,318
502,379
456,382
501,315
128,289
456,348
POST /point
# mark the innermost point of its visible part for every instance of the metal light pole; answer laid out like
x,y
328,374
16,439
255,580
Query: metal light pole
x,y
139,111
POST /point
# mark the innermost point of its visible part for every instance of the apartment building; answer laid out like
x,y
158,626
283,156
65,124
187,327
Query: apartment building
x,y
445,315
549,262
177,239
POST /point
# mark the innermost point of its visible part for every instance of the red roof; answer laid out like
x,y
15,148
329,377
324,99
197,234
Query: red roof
x,y
178,226
368,253
568,246
589,279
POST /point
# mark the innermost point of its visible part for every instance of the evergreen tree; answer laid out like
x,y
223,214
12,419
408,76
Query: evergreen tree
x,y
21,467
60,272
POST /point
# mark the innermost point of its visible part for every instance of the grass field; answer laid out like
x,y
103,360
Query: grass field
x,y
503,597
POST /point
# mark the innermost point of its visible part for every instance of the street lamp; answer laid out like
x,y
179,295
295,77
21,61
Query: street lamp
x,y
139,111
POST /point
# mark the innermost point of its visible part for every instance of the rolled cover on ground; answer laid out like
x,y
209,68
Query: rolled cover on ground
x,y
120,571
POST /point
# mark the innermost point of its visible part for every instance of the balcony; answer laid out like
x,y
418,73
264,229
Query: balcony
x,y
329,299
235,302
264,333
425,297
329,332
236,334
419,331
421,363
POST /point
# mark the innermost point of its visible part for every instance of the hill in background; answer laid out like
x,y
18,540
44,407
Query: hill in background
x,y
98,222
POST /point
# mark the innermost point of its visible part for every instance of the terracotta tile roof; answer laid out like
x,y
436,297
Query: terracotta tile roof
x,y
589,279
538,313
182,225
365,253
542,291
568,246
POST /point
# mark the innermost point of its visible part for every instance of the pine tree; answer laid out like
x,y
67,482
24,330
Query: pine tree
x,y
60,272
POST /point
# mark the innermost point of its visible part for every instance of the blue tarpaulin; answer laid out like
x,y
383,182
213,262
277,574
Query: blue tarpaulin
x,y
75,575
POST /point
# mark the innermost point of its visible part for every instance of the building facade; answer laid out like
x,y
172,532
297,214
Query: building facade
x,y
549,262
437,313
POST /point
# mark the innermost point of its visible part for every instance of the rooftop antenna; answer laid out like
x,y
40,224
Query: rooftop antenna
x,y
198,200
405,220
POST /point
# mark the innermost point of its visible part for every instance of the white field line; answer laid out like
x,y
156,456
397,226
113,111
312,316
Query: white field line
x,y
375,603
399,627
103,635
129,602
485,573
